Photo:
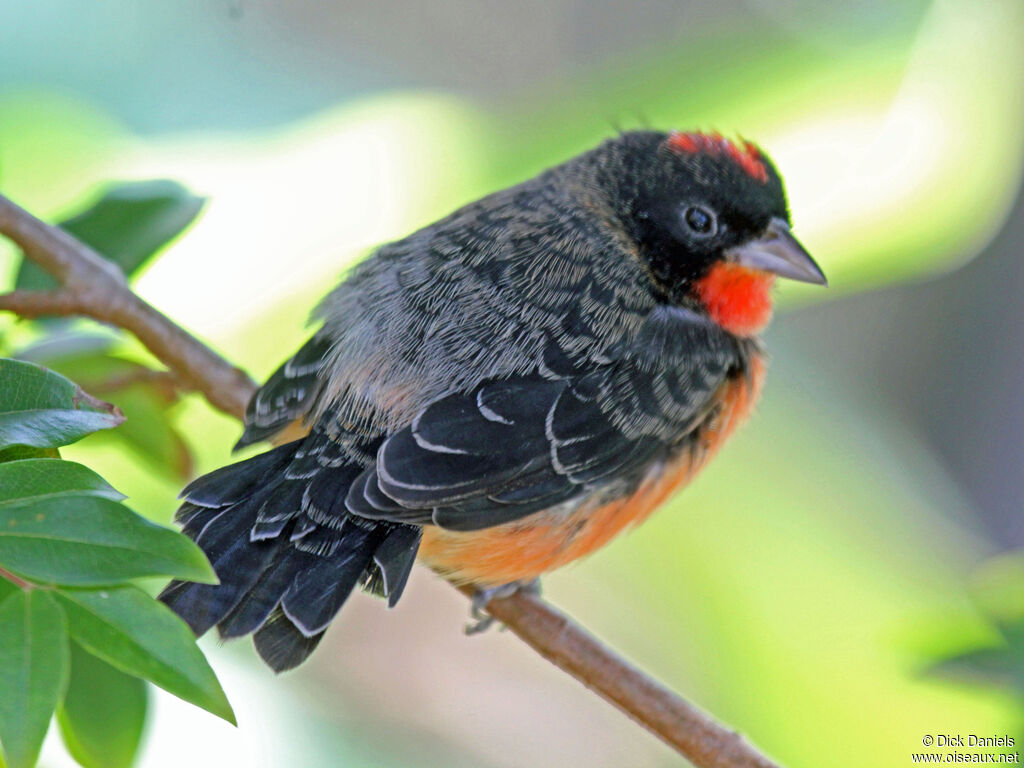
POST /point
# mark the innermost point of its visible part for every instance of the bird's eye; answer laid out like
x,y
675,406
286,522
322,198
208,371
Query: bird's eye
x,y
700,220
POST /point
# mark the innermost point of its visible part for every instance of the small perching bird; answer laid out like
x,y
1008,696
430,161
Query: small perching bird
x,y
503,391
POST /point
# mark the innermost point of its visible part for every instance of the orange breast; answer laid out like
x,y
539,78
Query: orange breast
x,y
525,549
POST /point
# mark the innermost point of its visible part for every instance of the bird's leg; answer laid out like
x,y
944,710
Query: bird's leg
x,y
481,620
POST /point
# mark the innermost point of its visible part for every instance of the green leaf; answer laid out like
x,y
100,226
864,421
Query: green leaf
x,y
27,480
97,371
70,343
33,672
1001,665
141,636
103,713
83,540
128,224
996,666
998,588
17,452
42,409
143,397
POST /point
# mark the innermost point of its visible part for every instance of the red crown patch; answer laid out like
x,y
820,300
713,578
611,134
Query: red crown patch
x,y
745,155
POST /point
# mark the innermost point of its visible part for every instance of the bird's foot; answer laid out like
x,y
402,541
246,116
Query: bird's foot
x,y
481,620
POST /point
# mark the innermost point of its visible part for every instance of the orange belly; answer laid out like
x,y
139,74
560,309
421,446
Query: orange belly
x,y
524,549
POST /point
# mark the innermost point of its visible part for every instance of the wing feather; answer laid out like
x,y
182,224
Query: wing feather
x,y
288,394
515,446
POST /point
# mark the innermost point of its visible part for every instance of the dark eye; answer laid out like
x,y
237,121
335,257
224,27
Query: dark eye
x,y
700,220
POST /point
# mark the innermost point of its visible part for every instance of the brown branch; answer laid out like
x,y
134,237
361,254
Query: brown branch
x,y
95,288
60,301
572,649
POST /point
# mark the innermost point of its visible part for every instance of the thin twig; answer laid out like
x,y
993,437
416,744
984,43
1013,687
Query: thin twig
x,y
671,718
91,287
166,383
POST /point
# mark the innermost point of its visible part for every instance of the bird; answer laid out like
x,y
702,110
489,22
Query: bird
x,y
503,391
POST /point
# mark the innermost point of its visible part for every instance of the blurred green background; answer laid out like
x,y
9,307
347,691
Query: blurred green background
x,y
814,586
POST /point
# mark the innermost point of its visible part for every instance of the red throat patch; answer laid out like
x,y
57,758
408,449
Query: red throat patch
x,y
744,154
737,298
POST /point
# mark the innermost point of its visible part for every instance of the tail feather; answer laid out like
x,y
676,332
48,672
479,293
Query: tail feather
x,y
286,551
318,593
237,562
278,511
281,645
204,605
253,610
235,482
394,559
193,518
324,499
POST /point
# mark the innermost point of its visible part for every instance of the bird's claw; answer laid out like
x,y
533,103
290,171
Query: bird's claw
x,y
481,620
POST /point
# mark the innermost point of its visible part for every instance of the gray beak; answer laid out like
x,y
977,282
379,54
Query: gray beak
x,y
778,252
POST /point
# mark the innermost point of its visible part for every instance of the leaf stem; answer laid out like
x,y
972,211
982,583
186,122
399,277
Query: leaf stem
x,y
15,580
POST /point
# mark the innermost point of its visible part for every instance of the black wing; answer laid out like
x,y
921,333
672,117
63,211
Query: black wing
x,y
287,395
516,446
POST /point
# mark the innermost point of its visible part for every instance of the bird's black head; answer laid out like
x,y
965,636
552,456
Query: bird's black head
x,y
691,201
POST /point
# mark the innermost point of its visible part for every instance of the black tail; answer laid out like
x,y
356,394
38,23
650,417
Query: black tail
x,y
286,551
